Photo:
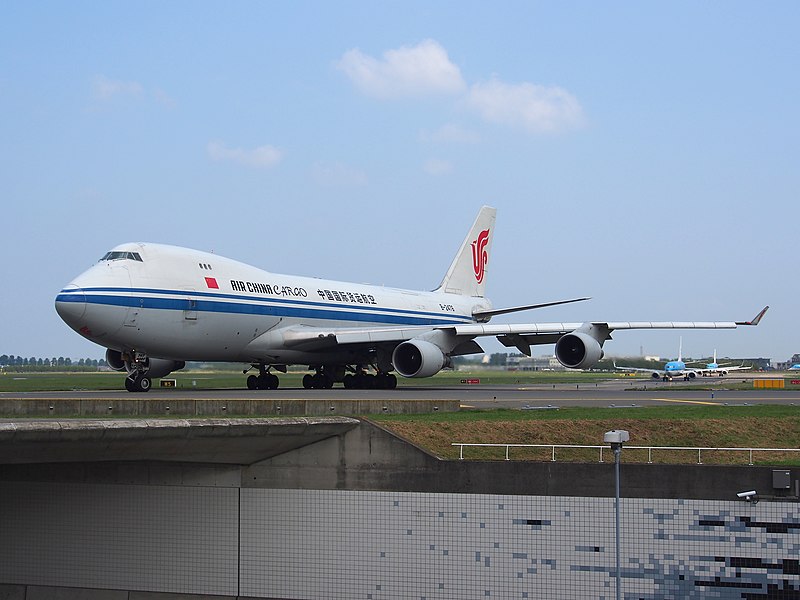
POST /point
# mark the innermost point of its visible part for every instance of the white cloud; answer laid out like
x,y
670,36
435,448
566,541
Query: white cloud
x,y
262,157
436,166
450,133
536,108
339,174
421,70
105,89
164,99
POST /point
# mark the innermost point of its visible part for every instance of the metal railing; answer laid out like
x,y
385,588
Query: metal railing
x,y
649,449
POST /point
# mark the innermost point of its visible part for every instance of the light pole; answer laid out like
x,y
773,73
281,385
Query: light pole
x,y
616,437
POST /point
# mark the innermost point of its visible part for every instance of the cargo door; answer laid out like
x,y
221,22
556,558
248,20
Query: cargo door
x,y
190,312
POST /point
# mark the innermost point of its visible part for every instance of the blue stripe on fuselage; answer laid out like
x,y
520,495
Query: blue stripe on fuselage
x,y
268,307
323,305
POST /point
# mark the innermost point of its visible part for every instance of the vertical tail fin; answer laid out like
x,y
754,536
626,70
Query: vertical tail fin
x,y
468,271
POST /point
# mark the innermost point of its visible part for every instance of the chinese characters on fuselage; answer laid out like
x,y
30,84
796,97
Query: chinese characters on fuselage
x,y
339,296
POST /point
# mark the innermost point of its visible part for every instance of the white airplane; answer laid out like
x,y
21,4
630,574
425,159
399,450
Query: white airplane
x,y
155,306
713,368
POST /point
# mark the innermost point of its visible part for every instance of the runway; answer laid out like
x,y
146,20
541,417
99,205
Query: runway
x,y
526,397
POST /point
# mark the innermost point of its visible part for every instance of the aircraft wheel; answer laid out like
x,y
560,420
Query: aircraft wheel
x,y
252,382
129,385
308,381
273,382
348,381
391,381
142,384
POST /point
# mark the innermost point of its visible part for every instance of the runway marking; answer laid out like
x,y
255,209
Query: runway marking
x,y
687,401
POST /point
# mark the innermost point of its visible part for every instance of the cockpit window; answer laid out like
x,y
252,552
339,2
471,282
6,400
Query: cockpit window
x,y
122,256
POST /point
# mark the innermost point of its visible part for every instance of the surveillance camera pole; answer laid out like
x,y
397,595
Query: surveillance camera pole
x,y
616,439
617,451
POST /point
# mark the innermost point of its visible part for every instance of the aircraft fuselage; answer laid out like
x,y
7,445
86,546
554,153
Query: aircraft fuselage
x,y
181,304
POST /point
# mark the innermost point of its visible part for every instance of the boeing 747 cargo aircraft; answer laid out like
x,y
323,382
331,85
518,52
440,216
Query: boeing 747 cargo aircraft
x,y
154,306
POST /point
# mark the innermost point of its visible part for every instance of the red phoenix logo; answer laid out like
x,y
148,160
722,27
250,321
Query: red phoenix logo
x,y
479,255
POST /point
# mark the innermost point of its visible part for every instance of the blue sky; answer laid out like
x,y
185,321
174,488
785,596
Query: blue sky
x,y
642,153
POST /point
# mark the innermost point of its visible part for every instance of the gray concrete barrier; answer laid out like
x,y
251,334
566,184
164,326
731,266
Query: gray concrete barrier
x,y
187,407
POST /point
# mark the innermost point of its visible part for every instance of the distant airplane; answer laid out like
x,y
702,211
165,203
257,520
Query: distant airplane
x,y
713,368
672,369
155,306
795,367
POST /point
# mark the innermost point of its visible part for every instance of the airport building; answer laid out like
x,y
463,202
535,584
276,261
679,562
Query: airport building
x,y
783,366
336,507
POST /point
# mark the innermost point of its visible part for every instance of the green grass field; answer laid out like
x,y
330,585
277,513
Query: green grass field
x,y
764,426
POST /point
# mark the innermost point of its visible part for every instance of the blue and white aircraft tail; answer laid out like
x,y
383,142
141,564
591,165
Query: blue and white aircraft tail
x,y
154,307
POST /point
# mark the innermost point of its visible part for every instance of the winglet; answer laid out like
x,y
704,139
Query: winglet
x,y
757,318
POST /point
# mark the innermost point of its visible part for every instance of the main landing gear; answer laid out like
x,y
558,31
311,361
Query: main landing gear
x,y
365,381
263,381
359,379
324,377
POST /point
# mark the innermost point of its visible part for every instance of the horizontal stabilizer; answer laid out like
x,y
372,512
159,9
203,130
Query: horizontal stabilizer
x,y
486,314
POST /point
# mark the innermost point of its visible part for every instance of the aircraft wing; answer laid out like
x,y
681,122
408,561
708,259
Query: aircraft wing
x,y
725,368
521,336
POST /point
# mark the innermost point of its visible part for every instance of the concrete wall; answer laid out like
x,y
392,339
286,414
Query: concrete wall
x,y
370,458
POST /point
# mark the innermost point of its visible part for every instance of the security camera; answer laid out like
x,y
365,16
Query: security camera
x,y
750,496
616,436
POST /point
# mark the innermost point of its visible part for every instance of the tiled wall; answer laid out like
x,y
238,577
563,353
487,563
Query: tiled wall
x,y
129,537
329,544
340,544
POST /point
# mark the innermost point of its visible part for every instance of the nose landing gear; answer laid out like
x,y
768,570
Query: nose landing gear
x,y
138,382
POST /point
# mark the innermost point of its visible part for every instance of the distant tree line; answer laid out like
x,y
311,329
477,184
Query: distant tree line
x,y
9,362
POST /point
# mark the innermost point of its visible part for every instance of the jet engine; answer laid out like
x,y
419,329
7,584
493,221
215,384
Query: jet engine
x,y
114,360
153,367
419,358
159,367
578,350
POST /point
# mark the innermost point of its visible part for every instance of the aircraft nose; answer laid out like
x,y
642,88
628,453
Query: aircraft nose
x,y
71,305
